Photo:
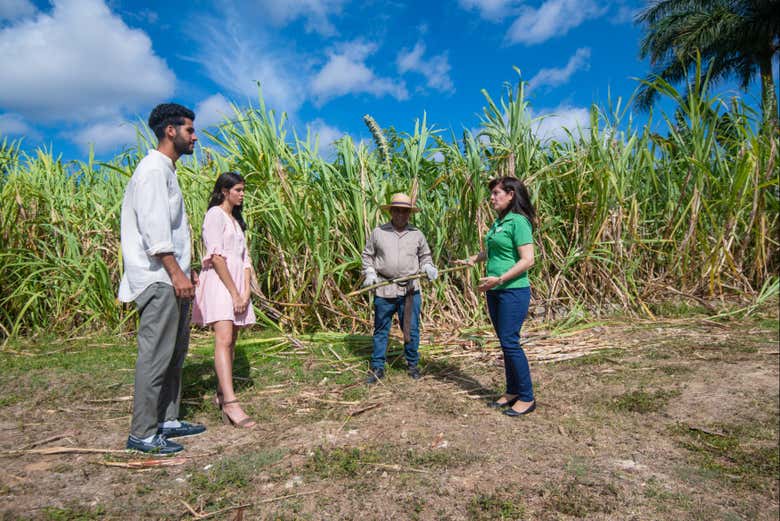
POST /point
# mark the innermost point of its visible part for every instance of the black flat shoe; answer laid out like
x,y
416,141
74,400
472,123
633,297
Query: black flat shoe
x,y
498,405
514,414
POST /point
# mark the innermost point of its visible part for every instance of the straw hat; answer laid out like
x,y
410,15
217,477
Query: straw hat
x,y
400,201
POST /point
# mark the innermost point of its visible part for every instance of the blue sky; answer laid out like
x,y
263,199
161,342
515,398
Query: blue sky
x,y
81,73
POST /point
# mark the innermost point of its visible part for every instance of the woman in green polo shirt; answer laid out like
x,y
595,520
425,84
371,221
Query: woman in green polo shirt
x,y
509,251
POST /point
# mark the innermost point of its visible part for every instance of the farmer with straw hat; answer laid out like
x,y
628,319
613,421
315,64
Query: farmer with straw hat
x,y
394,250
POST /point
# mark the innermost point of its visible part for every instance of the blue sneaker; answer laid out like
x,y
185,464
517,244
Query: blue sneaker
x,y
158,445
183,430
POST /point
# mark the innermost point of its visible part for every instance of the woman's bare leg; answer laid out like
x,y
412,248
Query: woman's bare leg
x,y
225,335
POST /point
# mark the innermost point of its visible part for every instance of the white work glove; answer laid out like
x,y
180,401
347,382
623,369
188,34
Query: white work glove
x,y
371,277
430,271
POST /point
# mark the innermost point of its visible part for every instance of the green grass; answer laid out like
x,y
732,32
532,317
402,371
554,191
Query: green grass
x,y
103,368
496,506
664,498
579,499
657,354
642,402
216,486
675,370
744,455
353,462
342,462
769,324
603,356
74,512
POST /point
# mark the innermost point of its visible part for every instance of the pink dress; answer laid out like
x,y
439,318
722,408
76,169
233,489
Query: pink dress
x,y
221,236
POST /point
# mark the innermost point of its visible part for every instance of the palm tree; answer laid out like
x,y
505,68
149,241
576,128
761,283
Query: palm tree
x,y
736,38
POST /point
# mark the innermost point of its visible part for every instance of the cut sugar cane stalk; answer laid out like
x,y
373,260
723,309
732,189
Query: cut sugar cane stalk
x,y
404,279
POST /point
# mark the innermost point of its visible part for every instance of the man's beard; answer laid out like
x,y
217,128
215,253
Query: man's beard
x,y
182,146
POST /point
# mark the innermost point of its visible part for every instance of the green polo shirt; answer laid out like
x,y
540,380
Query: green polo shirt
x,y
502,241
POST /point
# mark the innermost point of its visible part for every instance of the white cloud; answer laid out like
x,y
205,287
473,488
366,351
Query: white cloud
x,y
481,138
327,133
287,78
327,137
493,10
253,57
553,18
435,69
554,77
213,111
15,125
346,73
80,62
15,9
553,123
625,14
316,13
106,136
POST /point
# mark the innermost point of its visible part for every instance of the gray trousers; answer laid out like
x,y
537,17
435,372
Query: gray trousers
x,y
163,338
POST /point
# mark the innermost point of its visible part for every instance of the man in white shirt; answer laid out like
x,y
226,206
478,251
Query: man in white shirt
x,y
156,252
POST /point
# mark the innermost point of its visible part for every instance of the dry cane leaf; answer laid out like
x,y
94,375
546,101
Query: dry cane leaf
x,y
146,463
111,400
62,450
705,431
364,409
51,439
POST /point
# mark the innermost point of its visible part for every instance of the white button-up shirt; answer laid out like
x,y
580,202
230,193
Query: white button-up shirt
x,y
154,221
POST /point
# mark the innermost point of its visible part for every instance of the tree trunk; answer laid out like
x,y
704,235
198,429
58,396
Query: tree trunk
x,y
768,95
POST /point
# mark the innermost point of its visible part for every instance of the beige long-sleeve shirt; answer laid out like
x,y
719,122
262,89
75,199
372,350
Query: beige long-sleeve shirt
x,y
394,254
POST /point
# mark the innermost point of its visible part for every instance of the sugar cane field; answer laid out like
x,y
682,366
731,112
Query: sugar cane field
x,y
652,333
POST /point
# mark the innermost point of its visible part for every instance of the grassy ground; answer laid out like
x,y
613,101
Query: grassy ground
x,y
683,424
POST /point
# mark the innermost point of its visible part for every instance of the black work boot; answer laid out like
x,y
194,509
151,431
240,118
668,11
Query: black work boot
x,y
414,372
374,375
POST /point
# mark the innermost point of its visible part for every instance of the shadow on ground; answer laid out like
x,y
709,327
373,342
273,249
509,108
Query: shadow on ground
x,y
199,381
453,374
362,346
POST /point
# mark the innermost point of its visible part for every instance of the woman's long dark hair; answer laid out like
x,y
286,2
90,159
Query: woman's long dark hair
x,y
521,201
227,181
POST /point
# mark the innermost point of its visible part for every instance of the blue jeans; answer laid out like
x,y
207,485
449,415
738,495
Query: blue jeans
x,y
384,309
508,308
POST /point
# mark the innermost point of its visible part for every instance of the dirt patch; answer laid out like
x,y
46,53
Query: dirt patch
x,y
678,420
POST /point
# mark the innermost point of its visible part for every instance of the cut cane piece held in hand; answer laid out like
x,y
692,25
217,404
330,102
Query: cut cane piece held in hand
x,y
404,279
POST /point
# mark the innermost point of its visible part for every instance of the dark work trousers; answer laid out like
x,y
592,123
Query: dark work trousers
x,y
384,309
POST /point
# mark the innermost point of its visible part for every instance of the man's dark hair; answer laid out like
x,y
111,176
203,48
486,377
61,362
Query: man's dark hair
x,y
168,114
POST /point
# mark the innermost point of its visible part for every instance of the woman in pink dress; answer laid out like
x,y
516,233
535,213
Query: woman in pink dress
x,y
222,296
